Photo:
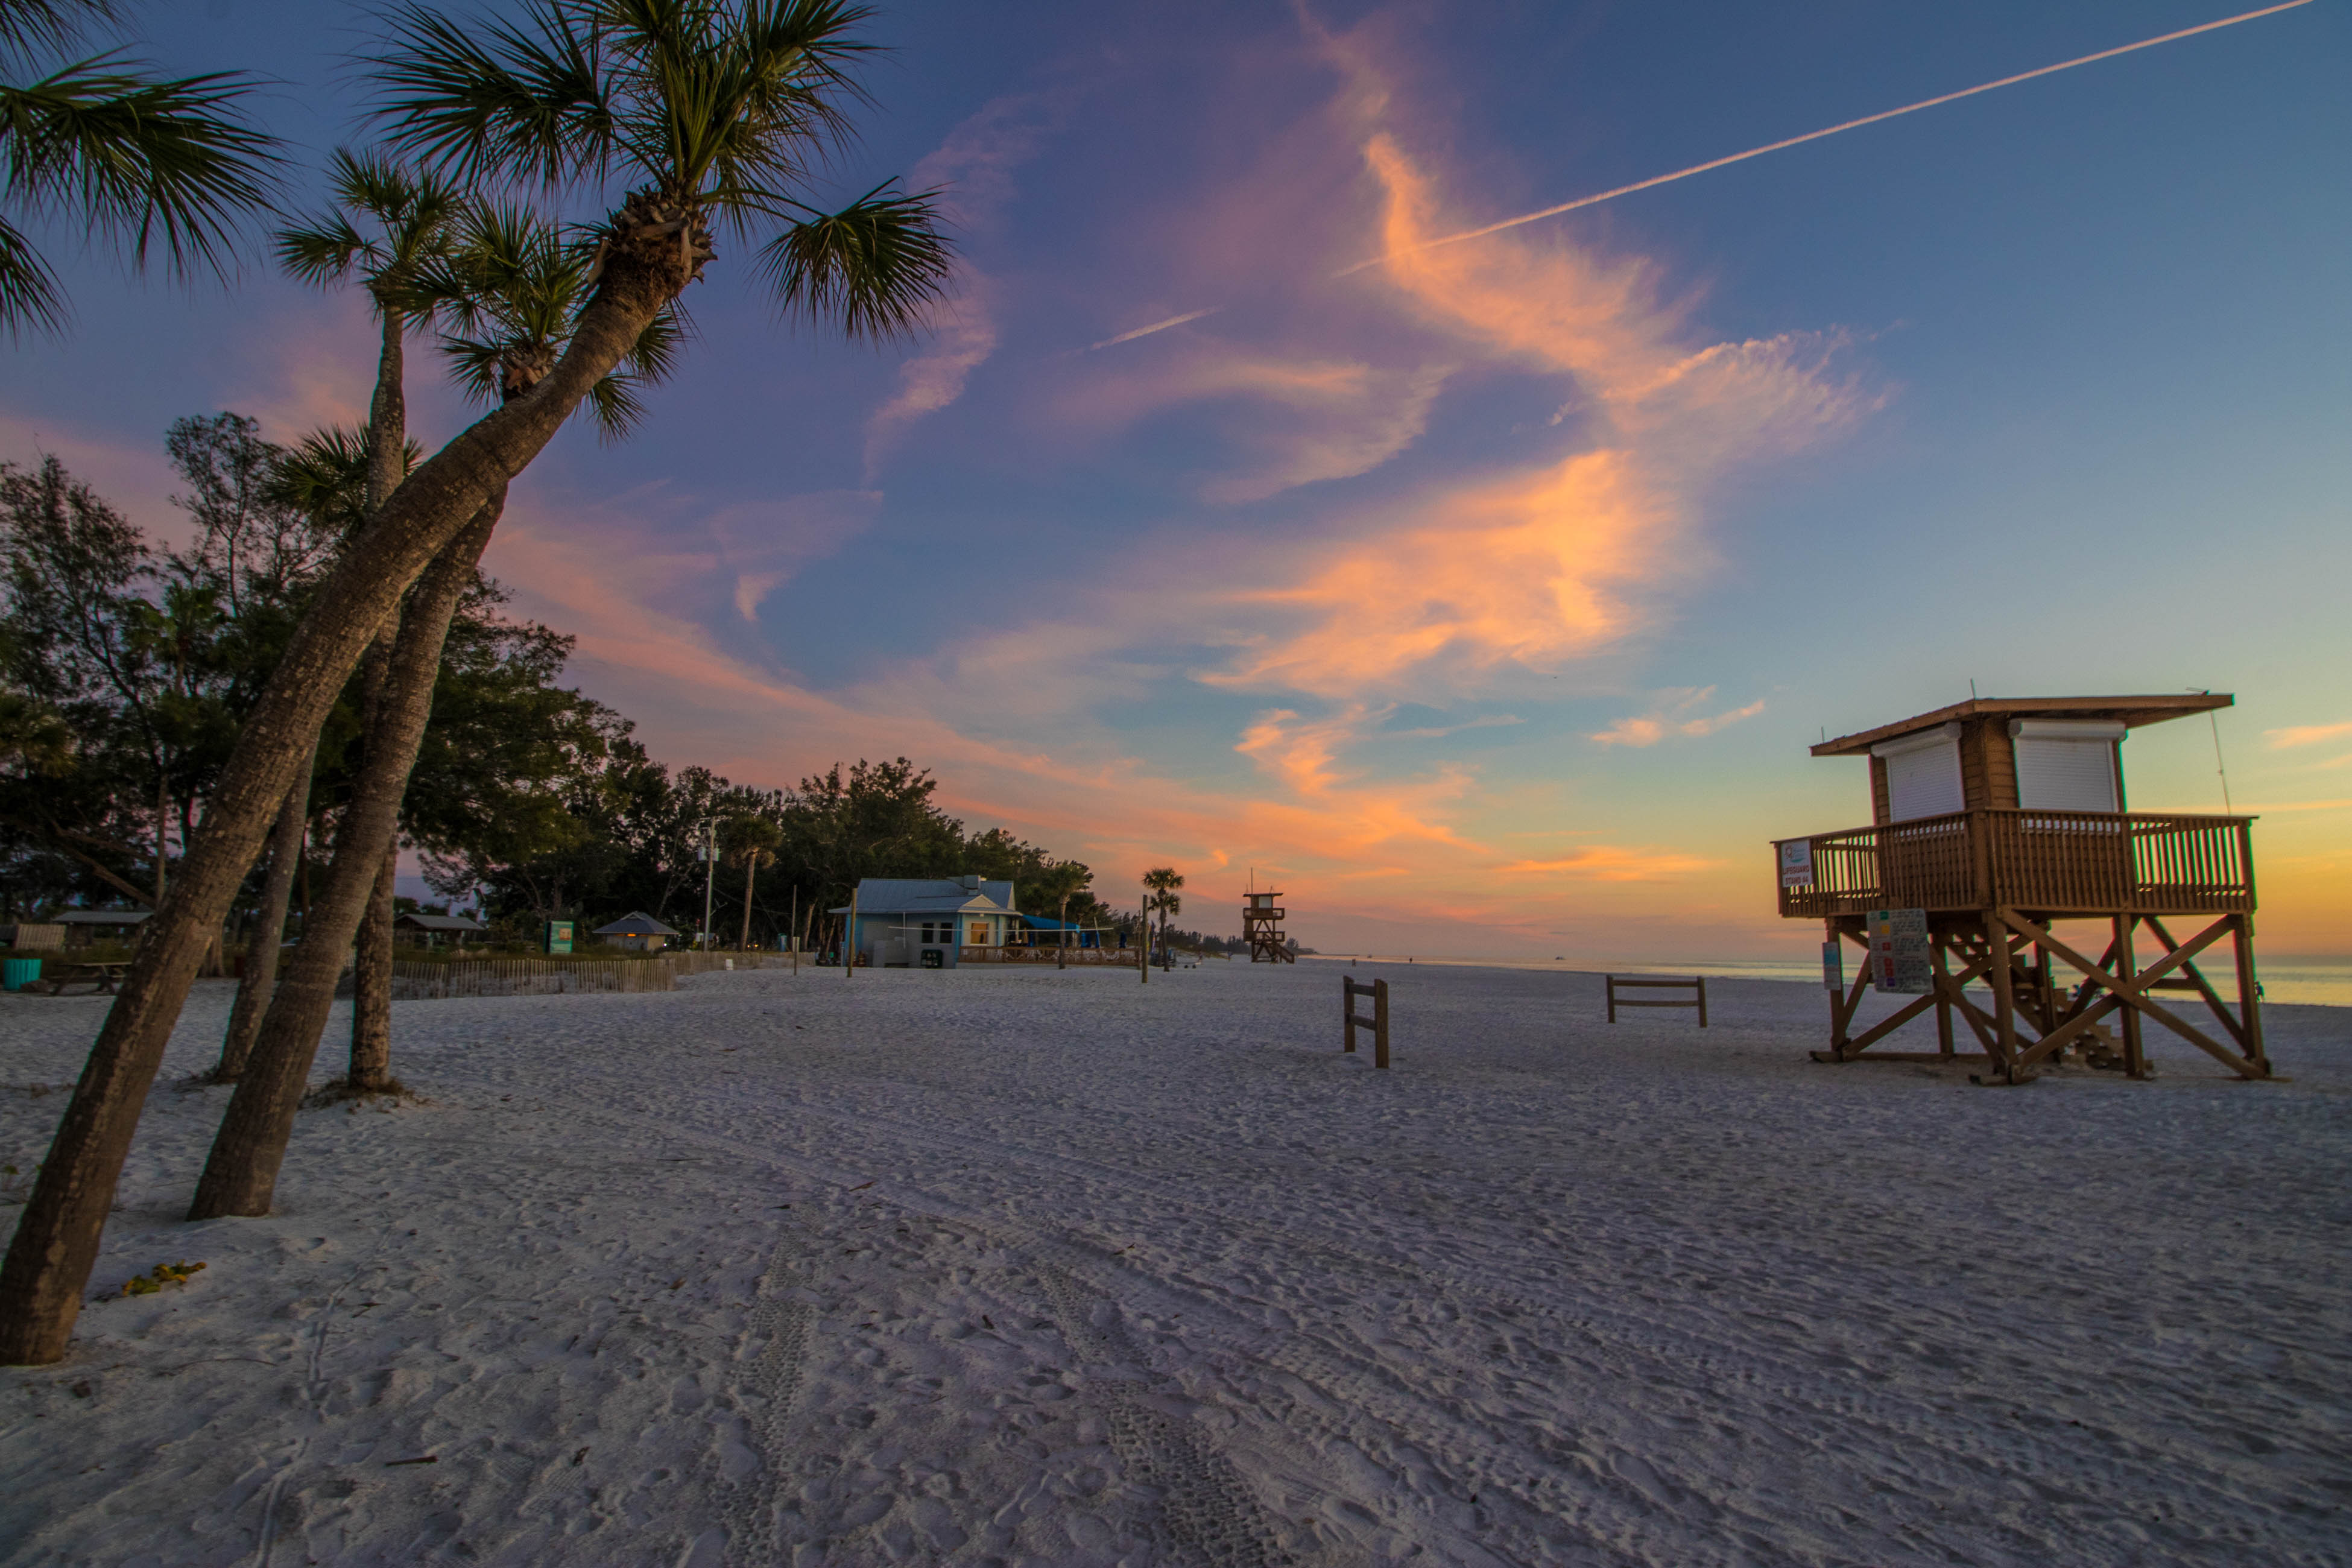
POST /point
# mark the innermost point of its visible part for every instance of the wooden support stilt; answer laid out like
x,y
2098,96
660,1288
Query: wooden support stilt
x,y
2004,997
2127,967
2249,990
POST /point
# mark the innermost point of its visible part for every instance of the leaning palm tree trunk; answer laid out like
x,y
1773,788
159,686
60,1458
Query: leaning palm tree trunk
x,y
241,1176
57,1239
261,977
370,1062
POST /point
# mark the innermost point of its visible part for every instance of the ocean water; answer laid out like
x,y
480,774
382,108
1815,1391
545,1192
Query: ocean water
x,y
2326,982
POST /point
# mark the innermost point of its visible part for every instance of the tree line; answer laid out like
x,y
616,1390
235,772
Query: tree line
x,y
126,668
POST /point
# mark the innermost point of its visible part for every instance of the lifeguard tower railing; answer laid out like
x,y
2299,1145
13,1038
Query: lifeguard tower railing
x,y
2054,862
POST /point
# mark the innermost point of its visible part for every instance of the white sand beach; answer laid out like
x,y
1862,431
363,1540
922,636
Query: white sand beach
x,y
1034,1267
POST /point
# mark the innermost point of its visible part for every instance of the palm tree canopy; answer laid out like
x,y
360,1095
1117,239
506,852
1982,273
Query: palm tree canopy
x,y
387,224
140,160
704,111
512,285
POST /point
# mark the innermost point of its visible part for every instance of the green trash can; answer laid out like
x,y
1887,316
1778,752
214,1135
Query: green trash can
x,y
16,973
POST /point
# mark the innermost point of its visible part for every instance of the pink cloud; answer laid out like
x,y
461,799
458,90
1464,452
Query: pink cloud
x,y
1674,716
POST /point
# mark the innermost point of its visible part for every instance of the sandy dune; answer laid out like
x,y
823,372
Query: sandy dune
x,y
1055,1268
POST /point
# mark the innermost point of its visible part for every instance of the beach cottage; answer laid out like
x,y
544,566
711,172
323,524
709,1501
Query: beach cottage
x,y
2002,851
928,922
636,931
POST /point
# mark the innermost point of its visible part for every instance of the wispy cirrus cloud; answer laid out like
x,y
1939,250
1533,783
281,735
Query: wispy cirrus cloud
x,y
2307,735
1675,713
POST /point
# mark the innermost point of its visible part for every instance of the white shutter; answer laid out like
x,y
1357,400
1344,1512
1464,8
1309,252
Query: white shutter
x,y
2066,764
2062,773
1923,774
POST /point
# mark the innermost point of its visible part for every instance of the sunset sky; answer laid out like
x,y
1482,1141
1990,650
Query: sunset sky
x,y
1484,600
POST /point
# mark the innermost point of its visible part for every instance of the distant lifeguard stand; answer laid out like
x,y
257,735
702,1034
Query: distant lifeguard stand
x,y
1262,927
1993,822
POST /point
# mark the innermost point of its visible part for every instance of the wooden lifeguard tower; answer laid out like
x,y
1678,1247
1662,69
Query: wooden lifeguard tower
x,y
1994,822
1262,927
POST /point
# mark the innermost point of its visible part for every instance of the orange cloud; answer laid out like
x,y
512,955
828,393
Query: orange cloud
x,y
1606,863
1531,569
1668,719
2307,735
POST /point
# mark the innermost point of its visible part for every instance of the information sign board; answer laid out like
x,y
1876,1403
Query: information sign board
x,y
1899,953
1797,863
1833,968
559,936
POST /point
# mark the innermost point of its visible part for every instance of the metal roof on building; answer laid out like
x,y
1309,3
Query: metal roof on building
x,y
438,922
636,923
931,896
2128,711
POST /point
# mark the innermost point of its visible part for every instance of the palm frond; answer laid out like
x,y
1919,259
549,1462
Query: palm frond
x,y
29,25
321,250
30,299
875,268
615,407
523,103
474,364
325,476
140,159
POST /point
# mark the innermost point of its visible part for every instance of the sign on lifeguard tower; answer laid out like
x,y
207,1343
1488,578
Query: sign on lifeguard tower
x,y
1899,949
1797,863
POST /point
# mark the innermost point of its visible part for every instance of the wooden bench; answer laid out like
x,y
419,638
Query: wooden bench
x,y
99,977
1695,984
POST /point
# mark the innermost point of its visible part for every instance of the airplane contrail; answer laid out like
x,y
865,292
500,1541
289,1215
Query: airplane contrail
x,y
1777,146
1196,315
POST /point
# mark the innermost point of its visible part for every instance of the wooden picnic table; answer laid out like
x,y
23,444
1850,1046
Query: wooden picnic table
x,y
100,977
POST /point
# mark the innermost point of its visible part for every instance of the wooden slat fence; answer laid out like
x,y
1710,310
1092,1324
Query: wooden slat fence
x,y
1016,954
414,981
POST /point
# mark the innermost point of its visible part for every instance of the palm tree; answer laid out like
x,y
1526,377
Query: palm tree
x,y
142,160
509,278
387,228
752,843
702,112
1162,882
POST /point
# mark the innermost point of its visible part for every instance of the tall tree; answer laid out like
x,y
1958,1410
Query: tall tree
x,y
138,159
515,282
712,112
388,228
750,842
1161,884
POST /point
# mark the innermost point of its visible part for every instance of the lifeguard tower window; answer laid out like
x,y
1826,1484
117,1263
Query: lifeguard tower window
x,y
2065,766
1923,773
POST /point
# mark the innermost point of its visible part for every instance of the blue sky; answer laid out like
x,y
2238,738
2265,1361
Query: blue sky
x,y
1488,599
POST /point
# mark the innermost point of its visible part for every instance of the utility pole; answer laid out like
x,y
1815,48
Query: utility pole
x,y
793,931
709,874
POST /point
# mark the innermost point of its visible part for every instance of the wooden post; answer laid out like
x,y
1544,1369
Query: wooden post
x,y
1346,1013
1143,953
1937,950
1701,1001
1611,982
2127,1020
2250,992
1062,937
1379,1024
2004,995
849,939
795,928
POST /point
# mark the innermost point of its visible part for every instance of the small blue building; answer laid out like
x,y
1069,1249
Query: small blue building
x,y
923,922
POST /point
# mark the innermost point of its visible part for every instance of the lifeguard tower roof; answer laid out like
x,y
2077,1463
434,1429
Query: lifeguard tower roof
x,y
2131,713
